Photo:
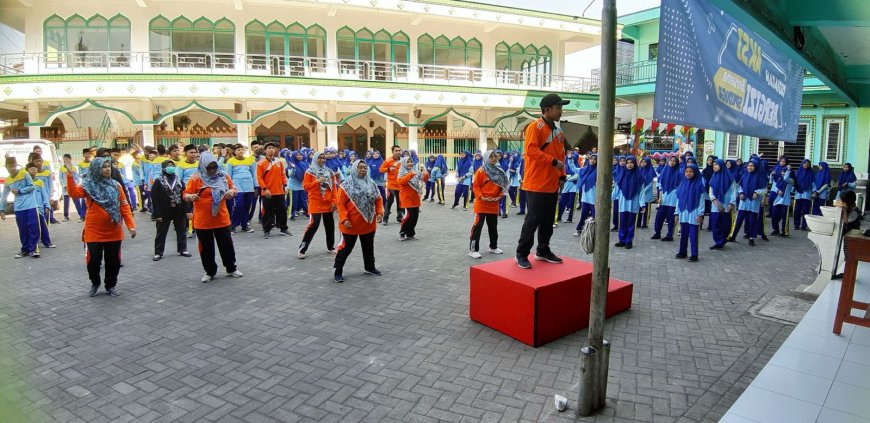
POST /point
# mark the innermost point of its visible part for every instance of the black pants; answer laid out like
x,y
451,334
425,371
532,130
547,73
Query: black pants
x,y
313,224
409,222
477,229
179,220
393,196
274,212
346,247
539,218
111,253
224,239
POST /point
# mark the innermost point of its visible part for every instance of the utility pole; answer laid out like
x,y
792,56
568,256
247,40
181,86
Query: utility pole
x,y
596,356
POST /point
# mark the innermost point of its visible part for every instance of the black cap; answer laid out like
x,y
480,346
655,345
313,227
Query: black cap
x,y
552,99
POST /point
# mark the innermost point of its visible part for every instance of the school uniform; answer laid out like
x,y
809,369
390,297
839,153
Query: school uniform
x,y
752,184
362,227
409,196
630,183
668,182
272,176
690,208
464,179
803,194
392,188
485,211
77,202
298,195
211,228
321,202
569,194
821,188
722,191
172,210
586,186
243,173
26,207
781,204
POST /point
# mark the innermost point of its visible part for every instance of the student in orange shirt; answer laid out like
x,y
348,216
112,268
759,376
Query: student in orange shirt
x,y
544,158
411,183
391,168
272,177
490,184
360,208
207,190
319,182
103,230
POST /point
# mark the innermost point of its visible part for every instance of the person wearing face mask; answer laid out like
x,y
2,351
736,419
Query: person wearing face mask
x,y
169,209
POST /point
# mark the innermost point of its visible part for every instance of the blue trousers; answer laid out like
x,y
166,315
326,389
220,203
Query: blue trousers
x,y
689,235
240,209
253,208
131,194
751,220
430,190
502,206
801,208
145,195
512,193
523,201
44,236
643,218
566,201
779,218
77,202
381,189
721,225
664,214
615,217
626,227
759,223
460,191
586,210
28,230
817,206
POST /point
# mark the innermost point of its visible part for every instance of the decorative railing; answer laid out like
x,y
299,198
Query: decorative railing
x,y
169,62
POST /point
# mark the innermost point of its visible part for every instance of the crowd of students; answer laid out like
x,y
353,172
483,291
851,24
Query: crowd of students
x,y
214,193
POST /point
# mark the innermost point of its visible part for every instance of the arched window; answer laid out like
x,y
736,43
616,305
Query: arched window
x,y
286,50
534,64
93,42
380,46
443,51
201,43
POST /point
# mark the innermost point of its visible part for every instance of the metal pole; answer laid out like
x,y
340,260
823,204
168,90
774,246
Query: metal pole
x,y
601,255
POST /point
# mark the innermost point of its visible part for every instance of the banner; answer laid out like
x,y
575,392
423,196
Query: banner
x,y
715,73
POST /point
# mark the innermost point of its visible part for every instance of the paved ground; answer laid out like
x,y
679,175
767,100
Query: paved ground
x,y
285,343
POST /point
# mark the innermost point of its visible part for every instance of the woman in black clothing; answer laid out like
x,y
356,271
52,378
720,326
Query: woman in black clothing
x,y
169,209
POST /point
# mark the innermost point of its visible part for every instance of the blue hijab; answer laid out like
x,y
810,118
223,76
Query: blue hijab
x,y
823,176
629,181
301,166
845,177
778,168
648,172
217,182
804,178
430,164
708,171
464,164
733,170
589,173
690,190
334,164
477,163
752,181
441,163
375,165
721,181
505,161
102,190
670,177
414,158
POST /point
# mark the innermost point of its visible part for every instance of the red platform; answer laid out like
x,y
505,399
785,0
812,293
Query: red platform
x,y
542,304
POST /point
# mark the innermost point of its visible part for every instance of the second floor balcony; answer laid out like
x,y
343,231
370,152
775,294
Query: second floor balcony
x,y
644,72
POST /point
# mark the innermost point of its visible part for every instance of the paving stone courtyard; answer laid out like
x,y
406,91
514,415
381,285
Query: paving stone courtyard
x,y
285,343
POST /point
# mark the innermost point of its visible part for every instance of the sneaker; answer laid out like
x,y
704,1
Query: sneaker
x,y
35,255
333,251
93,292
206,278
235,274
248,230
21,254
66,219
716,247
693,259
576,233
680,256
300,255
764,238
465,209
402,237
628,246
656,236
413,238
521,213
338,278
555,225
548,257
234,230
373,272
474,254
112,292
190,235
523,262
496,250
751,242
285,232
619,244
267,235
386,222
156,257
51,246
185,254
667,239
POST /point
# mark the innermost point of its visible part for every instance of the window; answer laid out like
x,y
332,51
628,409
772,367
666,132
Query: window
x,y
285,50
379,55
533,64
797,150
653,51
732,146
198,44
833,143
95,42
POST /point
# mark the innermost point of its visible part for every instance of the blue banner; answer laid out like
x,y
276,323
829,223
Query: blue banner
x,y
715,73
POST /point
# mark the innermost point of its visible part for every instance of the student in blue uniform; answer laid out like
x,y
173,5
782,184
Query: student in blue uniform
x,y
618,167
569,190
783,184
751,190
430,184
375,173
77,203
847,180
722,194
41,176
668,183
646,196
690,209
821,188
630,184
521,194
296,174
242,171
26,207
464,173
803,193
586,186
436,176
514,174
707,173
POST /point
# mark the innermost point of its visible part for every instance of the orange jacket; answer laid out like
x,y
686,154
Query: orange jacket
x,y
98,225
275,179
347,211
540,174
483,187
408,196
202,218
318,203
392,175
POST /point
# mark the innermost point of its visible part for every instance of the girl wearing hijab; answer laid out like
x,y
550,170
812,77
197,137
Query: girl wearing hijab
x,y
630,183
375,172
476,163
586,187
514,175
821,188
320,182
783,185
569,191
103,231
722,195
360,208
296,174
707,172
170,210
430,184
464,174
847,180
504,162
803,193
668,183
775,176
411,184
207,190
523,199
646,197
618,167
751,194
690,207
439,172
490,184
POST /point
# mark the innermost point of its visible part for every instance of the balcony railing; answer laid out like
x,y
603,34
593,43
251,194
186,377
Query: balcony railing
x,y
636,73
108,62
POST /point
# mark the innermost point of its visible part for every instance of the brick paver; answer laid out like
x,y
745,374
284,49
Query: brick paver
x,y
285,343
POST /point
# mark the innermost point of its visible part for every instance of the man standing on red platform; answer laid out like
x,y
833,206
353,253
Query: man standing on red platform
x,y
544,159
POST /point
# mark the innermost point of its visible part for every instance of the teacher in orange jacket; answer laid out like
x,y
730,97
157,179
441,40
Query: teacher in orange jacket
x,y
320,183
103,230
391,168
544,159
360,208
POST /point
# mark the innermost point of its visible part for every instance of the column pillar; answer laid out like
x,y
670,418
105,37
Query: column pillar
x,y
33,117
243,131
331,129
391,136
412,132
481,141
148,135
320,133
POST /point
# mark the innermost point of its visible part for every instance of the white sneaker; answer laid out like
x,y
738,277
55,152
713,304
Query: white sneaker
x,y
496,251
474,254
206,278
235,274
333,251
300,255
576,233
